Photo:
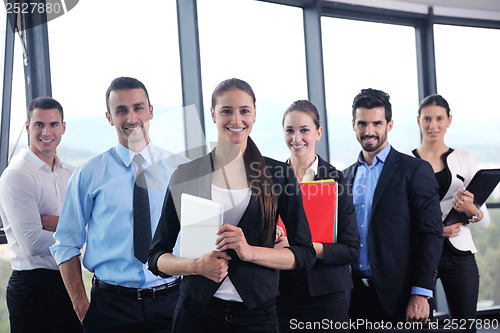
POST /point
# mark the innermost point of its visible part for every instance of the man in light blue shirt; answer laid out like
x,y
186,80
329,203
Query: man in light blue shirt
x,y
99,212
398,214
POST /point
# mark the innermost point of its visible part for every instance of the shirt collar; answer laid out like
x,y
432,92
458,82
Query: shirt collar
x,y
38,163
313,168
380,157
126,155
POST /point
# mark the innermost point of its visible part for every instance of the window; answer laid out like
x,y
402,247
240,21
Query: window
x,y
241,39
371,55
17,136
467,72
98,41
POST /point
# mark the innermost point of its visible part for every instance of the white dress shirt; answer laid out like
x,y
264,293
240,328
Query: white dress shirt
x,y
311,172
29,189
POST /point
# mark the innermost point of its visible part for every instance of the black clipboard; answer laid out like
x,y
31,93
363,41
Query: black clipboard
x,y
481,185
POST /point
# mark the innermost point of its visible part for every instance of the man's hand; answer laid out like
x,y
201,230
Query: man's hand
x,y
71,272
418,309
81,307
49,222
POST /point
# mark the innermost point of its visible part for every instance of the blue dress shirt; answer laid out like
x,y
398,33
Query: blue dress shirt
x,y
364,185
98,211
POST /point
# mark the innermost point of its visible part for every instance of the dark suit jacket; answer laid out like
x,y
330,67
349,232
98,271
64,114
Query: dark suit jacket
x,y
331,274
255,284
405,235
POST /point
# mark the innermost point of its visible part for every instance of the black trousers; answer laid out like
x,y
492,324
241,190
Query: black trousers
x,y
460,278
38,302
365,305
219,316
325,313
115,312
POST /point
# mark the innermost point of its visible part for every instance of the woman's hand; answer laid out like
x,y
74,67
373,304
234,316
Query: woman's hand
x,y
281,240
231,237
213,265
463,201
451,230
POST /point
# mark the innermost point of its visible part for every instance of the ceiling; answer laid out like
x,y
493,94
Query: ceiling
x,y
475,9
462,4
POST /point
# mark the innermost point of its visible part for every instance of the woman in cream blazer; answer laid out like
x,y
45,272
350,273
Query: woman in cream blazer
x,y
454,170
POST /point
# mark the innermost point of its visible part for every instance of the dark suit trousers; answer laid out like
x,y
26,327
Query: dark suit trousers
x,y
219,316
325,313
365,304
460,278
38,302
112,312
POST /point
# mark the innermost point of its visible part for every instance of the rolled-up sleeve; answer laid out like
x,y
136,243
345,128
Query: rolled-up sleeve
x,y
166,233
19,202
71,234
291,211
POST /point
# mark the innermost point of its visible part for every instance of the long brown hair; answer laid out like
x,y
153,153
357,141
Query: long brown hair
x,y
257,173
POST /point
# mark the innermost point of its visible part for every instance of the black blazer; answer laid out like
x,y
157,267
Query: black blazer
x,y
405,235
255,284
331,274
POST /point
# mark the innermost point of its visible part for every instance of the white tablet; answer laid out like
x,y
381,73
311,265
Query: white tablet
x,y
200,221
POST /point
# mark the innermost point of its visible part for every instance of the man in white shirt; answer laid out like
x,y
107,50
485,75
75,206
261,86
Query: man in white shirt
x,y
32,191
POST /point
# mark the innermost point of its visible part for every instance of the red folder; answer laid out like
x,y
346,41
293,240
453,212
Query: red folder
x,y
320,204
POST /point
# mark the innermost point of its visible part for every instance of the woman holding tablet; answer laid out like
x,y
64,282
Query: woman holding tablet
x,y
454,170
318,294
233,289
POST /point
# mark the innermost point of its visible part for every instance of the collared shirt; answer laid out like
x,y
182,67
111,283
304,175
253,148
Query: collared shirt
x,y
364,186
311,171
29,189
98,211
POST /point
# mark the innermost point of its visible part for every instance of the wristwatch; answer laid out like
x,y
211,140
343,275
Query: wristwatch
x,y
474,218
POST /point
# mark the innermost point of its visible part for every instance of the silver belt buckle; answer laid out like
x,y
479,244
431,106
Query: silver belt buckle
x,y
139,295
366,282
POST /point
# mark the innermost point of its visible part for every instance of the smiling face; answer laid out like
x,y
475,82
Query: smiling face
x,y
234,115
433,122
301,134
371,129
130,112
45,129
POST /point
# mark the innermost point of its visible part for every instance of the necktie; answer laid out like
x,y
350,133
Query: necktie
x,y
142,215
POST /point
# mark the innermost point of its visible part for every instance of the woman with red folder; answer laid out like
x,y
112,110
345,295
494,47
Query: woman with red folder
x,y
454,170
316,299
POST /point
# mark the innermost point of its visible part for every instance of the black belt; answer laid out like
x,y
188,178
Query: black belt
x,y
139,294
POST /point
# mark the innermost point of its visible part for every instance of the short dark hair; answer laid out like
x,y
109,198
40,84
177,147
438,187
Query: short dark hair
x,y
44,103
372,98
124,83
434,100
305,106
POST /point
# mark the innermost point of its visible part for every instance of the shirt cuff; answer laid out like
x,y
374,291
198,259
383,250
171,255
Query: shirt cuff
x,y
422,292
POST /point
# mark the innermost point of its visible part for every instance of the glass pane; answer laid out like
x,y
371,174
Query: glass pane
x,y
467,71
5,268
126,38
18,139
2,52
268,55
371,55
5,271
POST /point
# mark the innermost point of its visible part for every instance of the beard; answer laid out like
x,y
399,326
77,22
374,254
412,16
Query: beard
x,y
372,147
